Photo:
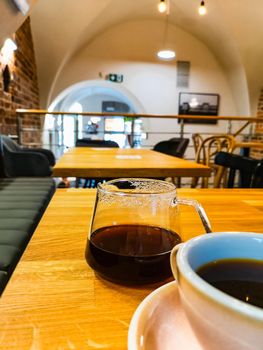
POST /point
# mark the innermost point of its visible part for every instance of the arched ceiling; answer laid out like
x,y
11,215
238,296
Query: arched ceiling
x,y
232,30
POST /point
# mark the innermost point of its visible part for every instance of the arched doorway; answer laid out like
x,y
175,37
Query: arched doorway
x,y
90,96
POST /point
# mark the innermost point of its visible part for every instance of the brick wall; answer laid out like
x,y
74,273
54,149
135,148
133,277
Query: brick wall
x,y
258,153
23,90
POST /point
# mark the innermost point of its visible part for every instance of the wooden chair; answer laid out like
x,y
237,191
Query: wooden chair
x,y
206,151
197,140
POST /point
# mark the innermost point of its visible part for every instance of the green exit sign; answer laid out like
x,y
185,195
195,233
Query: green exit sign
x,y
115,78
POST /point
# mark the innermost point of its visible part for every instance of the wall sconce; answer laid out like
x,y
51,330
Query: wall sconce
x,y
162,6
202,9
7,51
6,57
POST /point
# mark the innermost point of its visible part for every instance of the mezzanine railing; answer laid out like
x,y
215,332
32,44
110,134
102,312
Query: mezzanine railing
x,y
244,131
242,127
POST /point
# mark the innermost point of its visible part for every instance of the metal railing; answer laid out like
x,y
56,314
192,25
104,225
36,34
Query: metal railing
x,y
55,137
246,130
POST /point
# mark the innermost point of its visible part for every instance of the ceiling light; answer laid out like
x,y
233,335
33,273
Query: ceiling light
x,y
166,54
162,6
202,9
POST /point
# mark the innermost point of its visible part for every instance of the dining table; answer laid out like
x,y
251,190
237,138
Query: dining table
x,y
55,300
124,162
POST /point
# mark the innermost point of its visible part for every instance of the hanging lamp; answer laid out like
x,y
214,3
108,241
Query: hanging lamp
x,y
166,53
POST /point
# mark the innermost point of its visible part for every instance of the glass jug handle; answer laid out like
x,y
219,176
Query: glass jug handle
x,y
200,210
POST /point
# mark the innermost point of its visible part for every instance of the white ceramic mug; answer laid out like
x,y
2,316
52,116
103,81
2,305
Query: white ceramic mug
x,y
220,321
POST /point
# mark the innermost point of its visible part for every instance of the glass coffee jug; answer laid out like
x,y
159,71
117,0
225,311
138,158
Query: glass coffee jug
x,y
134,227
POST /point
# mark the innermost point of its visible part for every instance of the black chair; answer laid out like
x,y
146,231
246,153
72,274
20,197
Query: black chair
x,y
250,170
92,183
257,181
18,161
174,147
96,143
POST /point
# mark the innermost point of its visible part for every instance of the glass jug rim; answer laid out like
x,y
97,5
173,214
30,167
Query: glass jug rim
x,y
164,187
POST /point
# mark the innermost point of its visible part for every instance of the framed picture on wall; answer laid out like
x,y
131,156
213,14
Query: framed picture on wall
x,y
191,103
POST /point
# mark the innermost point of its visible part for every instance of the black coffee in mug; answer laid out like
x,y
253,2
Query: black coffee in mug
x,y
132,253
240,278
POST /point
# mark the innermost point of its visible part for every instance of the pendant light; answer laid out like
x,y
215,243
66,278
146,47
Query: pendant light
x,y
166,53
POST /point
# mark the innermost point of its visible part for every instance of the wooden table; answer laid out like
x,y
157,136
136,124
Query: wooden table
x,y
249,144
120,162
55,301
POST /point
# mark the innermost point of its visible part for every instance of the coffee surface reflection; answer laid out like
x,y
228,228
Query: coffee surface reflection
x,y
240,278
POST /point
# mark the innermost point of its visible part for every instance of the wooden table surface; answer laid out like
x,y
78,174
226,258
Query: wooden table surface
x,y
124,162
249,144
55,301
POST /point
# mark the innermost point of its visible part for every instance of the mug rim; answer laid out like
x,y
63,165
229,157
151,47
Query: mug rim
x,y
101,187
219,297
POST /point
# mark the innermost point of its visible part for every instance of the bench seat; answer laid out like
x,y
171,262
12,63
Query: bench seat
x,y
23,201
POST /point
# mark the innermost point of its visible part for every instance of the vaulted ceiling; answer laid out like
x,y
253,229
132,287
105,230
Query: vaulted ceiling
x,y
233,31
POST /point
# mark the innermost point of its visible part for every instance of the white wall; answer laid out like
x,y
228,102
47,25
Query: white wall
x,y
130,49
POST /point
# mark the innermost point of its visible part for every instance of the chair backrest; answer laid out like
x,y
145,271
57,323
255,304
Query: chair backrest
x,y
210,146
206,152
11,145
250,170
257,181
7,146
197,140
2,163
96,143
16,161
174,147
182,145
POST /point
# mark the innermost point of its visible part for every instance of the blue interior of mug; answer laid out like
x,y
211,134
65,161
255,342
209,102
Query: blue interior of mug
x,y
205,249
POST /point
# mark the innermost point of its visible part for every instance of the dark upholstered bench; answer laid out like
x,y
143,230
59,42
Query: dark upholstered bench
x,y
23,201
